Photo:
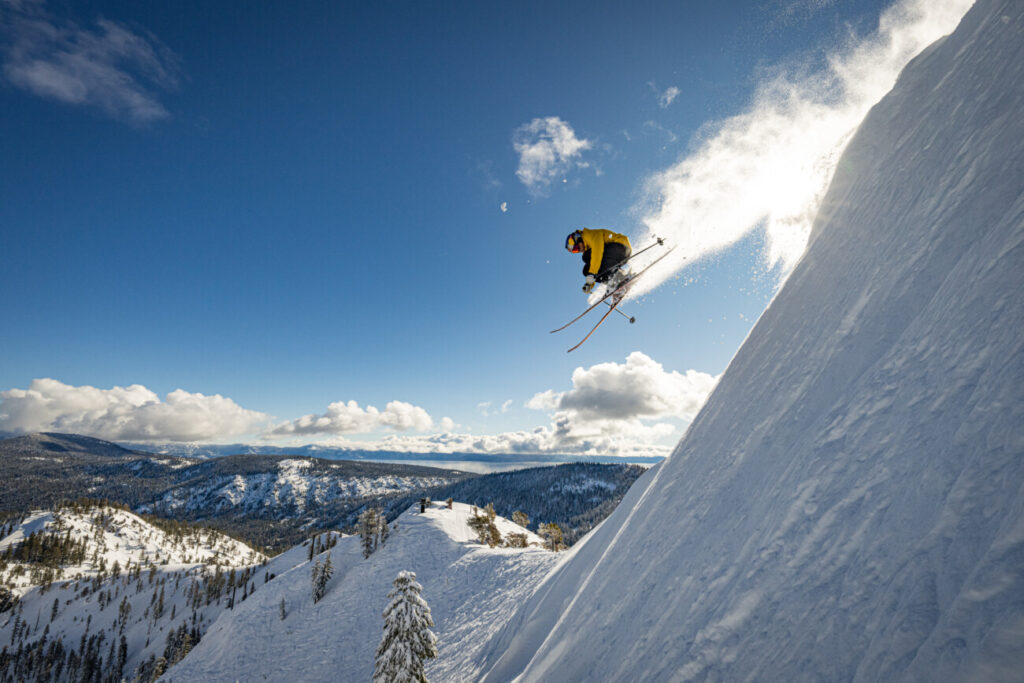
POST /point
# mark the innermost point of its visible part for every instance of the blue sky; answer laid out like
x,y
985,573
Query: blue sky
x,y
343,222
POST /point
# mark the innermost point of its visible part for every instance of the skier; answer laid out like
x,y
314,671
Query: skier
x,y
604,253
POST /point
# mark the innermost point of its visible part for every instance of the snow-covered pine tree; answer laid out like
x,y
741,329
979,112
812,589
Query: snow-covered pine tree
x,y
368,531
315,580
382,527
321,575
408,640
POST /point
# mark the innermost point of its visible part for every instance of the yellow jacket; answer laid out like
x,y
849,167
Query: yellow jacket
x,y
594,241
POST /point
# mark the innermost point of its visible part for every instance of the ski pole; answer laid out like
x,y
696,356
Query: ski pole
x,y
630,318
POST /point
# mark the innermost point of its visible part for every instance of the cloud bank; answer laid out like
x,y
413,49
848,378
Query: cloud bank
x,y
770,166
548,149
624,409
124,413
109,67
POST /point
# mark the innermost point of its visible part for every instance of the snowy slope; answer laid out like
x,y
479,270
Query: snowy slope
x,y
111,535
849,505
471,589
125,604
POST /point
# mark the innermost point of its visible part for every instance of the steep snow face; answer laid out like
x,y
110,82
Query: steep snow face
x,y
471,589
849,505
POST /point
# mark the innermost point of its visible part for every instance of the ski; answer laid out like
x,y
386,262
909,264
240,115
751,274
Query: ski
x,y
620,288
611,307
609,293
597,303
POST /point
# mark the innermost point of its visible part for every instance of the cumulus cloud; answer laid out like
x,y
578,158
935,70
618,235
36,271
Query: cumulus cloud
x,y
611,401
124,413
548,149
109,67
769,166
348,418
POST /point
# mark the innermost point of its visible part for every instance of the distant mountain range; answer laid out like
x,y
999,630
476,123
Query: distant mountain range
x,y
193,450
275,501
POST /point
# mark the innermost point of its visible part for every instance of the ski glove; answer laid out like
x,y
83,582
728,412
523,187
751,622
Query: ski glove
x,y
589,285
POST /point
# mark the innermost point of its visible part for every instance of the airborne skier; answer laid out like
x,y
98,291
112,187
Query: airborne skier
x,y
606,257
604,253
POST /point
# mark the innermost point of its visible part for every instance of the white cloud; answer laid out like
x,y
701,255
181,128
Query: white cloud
x,y
769,166
484,408
668,97
611,401
109,67
548,149
541,441
124,413
349,418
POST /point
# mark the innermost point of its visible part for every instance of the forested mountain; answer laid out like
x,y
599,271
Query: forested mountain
x,y
274,502
90,592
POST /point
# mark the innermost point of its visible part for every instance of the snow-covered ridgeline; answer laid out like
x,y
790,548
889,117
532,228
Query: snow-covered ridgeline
x,y
138,603
471,590
291,486
112,537
849,505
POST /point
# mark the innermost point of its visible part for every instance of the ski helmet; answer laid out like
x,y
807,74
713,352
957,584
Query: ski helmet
x,y
574,242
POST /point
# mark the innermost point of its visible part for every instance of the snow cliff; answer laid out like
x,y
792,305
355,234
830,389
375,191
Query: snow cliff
x,y
849,505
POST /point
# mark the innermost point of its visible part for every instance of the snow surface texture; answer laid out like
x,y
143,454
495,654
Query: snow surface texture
x,y
849,505
472,590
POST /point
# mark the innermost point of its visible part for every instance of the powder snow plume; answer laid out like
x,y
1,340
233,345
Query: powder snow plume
x,y
768,167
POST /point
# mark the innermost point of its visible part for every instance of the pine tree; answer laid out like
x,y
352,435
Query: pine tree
x,y
382,527
315,580
408,640
521,519
321,575
552,534
368,531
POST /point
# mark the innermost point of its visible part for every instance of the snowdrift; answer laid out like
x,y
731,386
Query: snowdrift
x,y
849,505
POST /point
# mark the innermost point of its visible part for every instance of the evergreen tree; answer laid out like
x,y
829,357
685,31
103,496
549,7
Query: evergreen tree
x,y
321,575
368,531
315,579
521,519
484,526
552,534
382,527
408,640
